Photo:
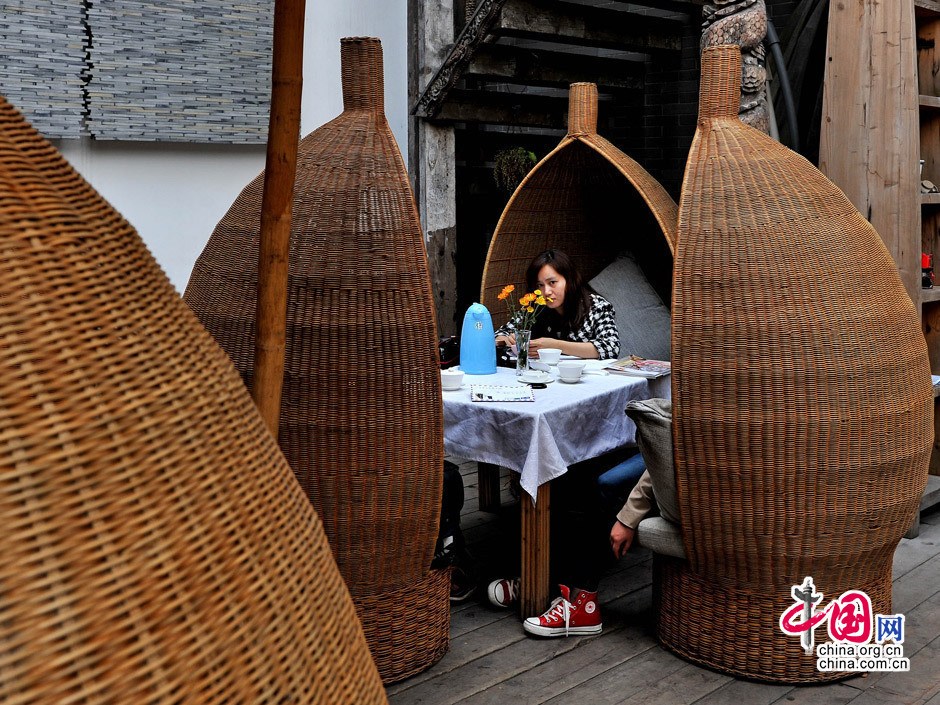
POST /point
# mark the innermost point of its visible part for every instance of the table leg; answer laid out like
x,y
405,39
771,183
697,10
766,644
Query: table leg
x,y
488,486
535,544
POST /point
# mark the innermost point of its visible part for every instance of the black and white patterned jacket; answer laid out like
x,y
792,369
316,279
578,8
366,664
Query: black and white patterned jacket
x,y
599,328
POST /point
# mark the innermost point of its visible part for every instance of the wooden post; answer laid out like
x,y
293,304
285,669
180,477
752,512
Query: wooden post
x,y
277,201
432,158
536,531
869,138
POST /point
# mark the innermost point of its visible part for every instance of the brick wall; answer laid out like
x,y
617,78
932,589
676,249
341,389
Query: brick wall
x,y
661,136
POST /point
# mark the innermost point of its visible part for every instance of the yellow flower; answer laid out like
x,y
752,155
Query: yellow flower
x,y
537,292
540,300
530,309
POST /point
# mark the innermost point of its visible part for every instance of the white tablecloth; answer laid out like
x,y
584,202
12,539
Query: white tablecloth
x,y
566,424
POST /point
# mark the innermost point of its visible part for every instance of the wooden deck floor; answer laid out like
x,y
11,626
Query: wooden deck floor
x,y
492,661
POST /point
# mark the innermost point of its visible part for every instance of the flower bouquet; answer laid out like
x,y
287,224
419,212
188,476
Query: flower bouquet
x,y
522,315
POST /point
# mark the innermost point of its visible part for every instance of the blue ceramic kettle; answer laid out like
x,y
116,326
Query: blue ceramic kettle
x,y
477,342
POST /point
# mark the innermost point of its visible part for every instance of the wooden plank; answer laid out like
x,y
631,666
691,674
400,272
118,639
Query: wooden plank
x,y
587,26
912,554
868,142
488,479
930,295
832,694
687,6
504,109
655,676
921,625
538,67
916,587
931,321
931,102
491,661
738,691
516,667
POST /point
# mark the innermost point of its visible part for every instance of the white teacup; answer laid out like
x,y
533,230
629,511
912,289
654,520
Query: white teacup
x,y
550,356
451,379
570,370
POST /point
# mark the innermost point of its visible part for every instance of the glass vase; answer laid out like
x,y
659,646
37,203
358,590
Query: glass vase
x,y
523,337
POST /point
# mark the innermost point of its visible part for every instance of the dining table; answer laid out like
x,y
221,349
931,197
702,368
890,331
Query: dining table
x,y
563,424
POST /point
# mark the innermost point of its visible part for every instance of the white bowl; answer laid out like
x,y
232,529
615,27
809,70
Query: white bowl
x,y
451,379
535,376
570,370
550,356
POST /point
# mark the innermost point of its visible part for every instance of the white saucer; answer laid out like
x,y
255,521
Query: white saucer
x,y
462,386
536,377
571,381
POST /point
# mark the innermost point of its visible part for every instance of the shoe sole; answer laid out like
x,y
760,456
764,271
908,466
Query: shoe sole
x,y
491,597
539,630
462,597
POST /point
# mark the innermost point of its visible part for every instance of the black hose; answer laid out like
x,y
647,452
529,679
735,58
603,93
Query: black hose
x,y
773,41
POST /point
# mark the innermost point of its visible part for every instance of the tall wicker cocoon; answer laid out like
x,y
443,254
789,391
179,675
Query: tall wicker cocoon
x,y
155,546
801,391
590,200
361,417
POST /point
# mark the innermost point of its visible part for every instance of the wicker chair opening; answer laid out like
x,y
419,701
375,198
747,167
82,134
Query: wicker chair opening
x,y
591,200
155,545
802,397
361,416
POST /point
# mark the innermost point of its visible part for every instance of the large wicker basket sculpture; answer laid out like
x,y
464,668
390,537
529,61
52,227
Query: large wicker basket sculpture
x,y
361,418
591,200
155,546
801,391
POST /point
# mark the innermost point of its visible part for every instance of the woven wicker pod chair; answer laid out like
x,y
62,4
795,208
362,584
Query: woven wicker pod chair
x,y
361,418
590,200
801,392
155,546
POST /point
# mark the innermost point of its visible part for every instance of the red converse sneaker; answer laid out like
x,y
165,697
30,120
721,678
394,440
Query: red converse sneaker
x,y
564,617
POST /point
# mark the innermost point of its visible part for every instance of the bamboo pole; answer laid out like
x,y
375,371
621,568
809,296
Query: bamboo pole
x,y
276,203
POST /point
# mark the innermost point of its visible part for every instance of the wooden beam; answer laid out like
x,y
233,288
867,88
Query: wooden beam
x,y
504,109
587,26
687,6
927,7
538,67
452,67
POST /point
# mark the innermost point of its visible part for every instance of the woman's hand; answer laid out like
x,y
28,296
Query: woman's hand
x,y
508,340
621,538
567,347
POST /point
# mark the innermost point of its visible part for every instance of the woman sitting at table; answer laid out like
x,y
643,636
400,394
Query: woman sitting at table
x,y
577,320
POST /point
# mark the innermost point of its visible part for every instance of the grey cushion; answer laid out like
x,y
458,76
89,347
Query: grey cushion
x,y
643,321
661,536
653,419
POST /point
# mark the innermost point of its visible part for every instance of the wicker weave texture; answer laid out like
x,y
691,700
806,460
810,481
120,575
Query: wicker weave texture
x,y
801,386
361,416
590,200
155,545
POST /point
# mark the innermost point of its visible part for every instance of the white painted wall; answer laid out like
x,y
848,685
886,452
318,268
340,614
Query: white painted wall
x,y
175,194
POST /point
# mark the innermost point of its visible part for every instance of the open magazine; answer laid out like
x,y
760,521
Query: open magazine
x,y
640,367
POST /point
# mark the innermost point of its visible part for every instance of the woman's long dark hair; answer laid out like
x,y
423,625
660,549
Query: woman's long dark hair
x,y
578,292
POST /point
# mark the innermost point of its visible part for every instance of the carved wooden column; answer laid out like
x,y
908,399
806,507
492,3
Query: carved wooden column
x,y
742,22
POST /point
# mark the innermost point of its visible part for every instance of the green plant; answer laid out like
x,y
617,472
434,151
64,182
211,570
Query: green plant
x,y
511,167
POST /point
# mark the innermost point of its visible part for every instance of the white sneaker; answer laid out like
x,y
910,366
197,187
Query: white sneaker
x,y
503,593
